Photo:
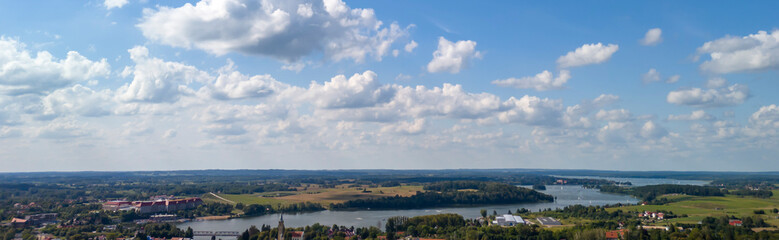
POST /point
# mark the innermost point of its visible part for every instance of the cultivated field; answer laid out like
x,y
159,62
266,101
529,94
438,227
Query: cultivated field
x,y
315,194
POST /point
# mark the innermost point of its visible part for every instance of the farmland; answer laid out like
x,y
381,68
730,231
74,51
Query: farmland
x,y
325,196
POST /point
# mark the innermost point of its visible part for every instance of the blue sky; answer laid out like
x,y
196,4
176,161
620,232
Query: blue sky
x,y
154,85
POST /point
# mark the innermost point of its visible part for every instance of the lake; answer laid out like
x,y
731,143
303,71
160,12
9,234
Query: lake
x,y
566,195
637,182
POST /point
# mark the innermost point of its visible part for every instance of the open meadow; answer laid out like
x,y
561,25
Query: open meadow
x,y
697,208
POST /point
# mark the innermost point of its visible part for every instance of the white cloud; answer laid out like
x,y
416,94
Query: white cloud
x,y
540,82
360,90
231,84
654,76
729,96
155,80
411,46
696,115
295,67
766,117
415,127
452,57
285,30
78,100
20,73
716,82
109,4
652,37
651,130
616,115
532,111
587,54
753,52
402,77
651,76
673,79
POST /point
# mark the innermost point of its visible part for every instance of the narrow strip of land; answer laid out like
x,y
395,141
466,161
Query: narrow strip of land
x,y
221,198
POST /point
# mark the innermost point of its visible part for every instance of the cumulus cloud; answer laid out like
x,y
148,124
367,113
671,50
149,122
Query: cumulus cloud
x,y
452,57
20,73
532,111
766,117
411,46
414,127
541,82
109,4
78,100
231,84
616,115
156,81
729,96
285,30
652,130
652,37
654,76
587,54
753,52
696,115
359,90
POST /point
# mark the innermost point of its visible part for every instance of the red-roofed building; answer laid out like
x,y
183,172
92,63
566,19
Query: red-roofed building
x,y
615,235
296,235
735,222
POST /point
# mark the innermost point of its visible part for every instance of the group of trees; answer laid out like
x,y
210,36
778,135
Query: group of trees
x,y
752,193
448,193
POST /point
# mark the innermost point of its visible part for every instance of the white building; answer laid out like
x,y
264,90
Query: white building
x,y
508,220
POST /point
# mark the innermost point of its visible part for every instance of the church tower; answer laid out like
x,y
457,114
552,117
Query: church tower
x,y
281,227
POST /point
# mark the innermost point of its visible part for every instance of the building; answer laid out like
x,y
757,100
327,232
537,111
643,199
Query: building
x,y
117,205
281,227
508,220
735,222
34,220
656,215
166,205
615,235
296,235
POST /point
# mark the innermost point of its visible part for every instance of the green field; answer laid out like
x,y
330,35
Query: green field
x,y
699,207
314,194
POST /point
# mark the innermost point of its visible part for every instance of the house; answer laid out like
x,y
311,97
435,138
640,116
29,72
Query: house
x,y
296,235
18,223
615,235
508,220
735,222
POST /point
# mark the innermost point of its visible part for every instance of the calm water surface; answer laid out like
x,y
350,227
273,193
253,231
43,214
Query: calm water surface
x,y
646,181
566,196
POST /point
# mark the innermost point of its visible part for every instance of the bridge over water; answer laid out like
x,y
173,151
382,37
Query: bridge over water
x,y
216,233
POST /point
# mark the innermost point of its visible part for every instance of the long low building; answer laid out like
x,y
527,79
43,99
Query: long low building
x,y
508,220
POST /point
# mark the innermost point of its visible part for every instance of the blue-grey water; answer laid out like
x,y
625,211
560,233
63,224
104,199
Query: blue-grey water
x,y
566,196
645,181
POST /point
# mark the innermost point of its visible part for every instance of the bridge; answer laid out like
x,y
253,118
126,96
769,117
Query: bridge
x,y
216,233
